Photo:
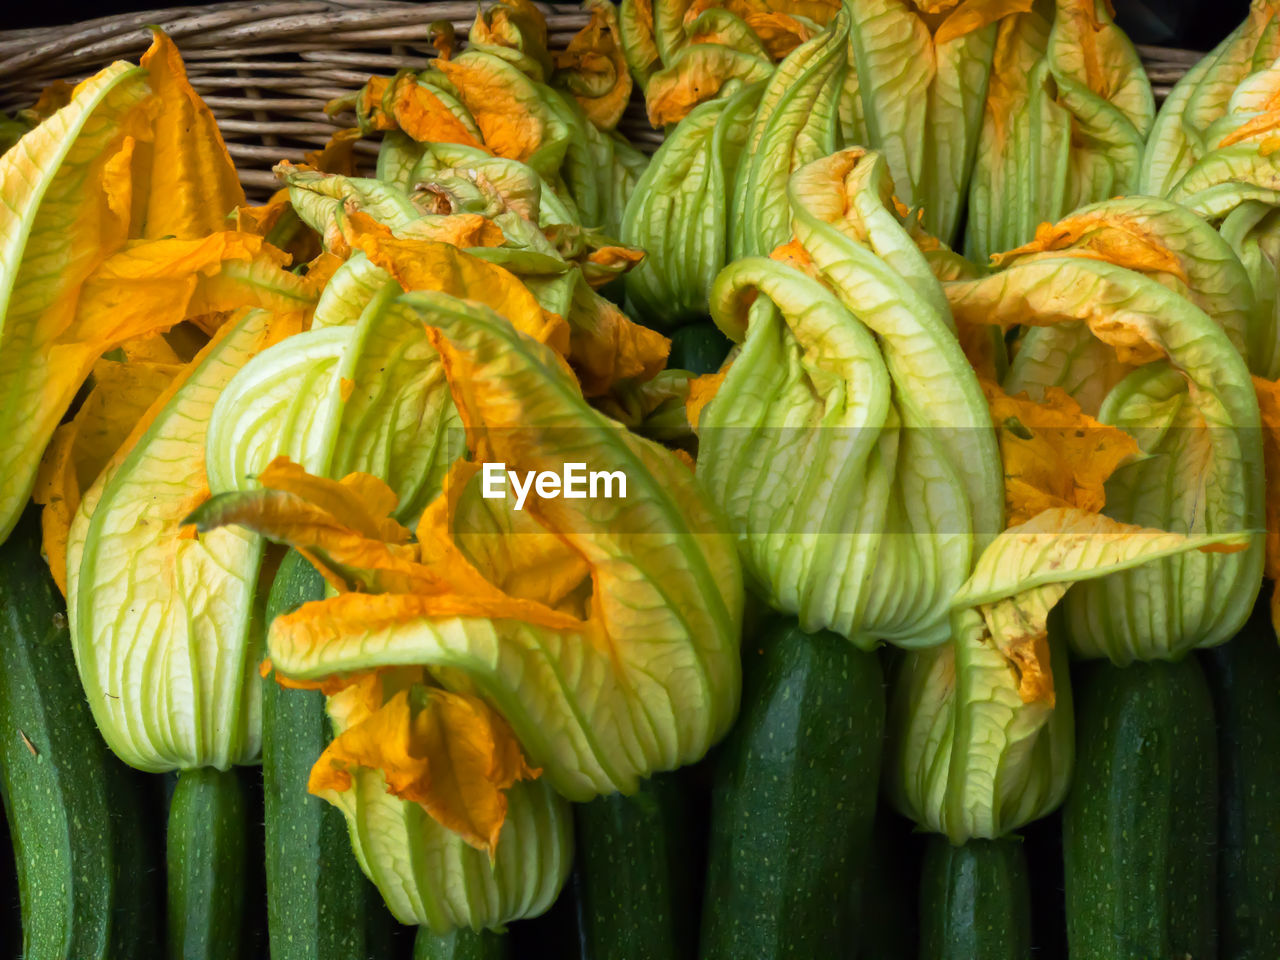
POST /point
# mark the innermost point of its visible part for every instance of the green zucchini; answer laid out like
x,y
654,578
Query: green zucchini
x,y
1244,676
319,904
206,859
699,348
75,813
1140,824
794,800
632,877
460,945
975,901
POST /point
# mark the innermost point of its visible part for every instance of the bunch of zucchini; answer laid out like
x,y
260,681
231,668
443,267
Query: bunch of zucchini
x,y
929,621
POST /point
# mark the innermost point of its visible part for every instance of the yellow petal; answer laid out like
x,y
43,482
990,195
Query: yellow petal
x,y
423,116
509,127
337,155
1054,454
189,183
457,229
697,76
510,23
430,265
52,99
779,32
153,285
449,752
260,219
793,254
342,528
594,68
81,449
974,15
1110,236
605,346
359,501
702,390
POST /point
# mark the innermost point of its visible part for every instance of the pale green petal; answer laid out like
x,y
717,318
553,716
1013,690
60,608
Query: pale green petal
x,y
164,627
679,211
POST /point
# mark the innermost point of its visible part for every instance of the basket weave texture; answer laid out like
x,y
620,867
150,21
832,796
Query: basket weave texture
x,y
268,69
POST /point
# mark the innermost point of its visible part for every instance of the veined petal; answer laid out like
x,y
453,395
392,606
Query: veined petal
x,y
1054,454
449,752
161,620
594,68
188,182
81,449
67,204
641,615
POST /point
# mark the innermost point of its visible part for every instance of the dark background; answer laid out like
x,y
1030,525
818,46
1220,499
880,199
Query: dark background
x,y
1195,24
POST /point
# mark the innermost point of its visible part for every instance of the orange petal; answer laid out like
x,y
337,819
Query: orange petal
x,y
1054,454
702,390
594,68
449,752
423,116
974,15
336,156
189,183
509,127
429,265
1113,237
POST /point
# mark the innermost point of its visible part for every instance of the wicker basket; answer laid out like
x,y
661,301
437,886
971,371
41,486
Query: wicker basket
x,y
268,69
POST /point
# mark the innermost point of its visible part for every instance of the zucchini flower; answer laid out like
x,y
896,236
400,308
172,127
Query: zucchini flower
x,y
980,728
1214,150
162,622
685,53
1067,114
607,639
981,739
496,98
849,365
680,211
921,69
125,188
797,121
363,392
1234,183
1178,136
593,67
1144,280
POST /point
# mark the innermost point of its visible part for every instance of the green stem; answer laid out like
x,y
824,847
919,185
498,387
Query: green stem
x,y
460,945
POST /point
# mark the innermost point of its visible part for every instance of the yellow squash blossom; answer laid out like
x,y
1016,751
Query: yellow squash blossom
x,y
81,191
633,604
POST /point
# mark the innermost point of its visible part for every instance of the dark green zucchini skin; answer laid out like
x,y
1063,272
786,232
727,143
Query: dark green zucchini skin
x,y
76,814
1140,825
632,876
207,856
975,901
794,800
1244,676
699,348
320,906
460,945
